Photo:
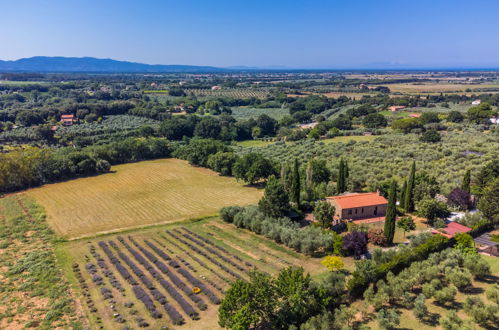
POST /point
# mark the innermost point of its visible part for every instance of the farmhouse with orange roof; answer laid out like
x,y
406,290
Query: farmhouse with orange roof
x,y
362,207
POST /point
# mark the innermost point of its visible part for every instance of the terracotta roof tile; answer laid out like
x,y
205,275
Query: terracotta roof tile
x,y
358,200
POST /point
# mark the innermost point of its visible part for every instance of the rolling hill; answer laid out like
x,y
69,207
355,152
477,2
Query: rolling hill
x,y
91,64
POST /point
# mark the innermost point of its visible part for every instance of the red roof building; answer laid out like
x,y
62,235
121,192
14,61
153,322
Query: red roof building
x,y
394,108
359,206
67,120
451,229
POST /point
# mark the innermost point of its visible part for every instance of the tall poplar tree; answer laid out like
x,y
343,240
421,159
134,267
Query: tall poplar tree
x,y
295,184
391,213
409,194
466,186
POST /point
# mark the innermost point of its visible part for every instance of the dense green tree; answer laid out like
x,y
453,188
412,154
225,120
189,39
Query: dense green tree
x,y
430,136
406,224
432,210
247,304
455,117
341,182
285,176
275,201
480,113
429,117
323,213
197,151
425,186
342,122
489,202
222,162
409,194
420,310
391,214
402,194
486,174
453,322
178,126
267,125
295,184
277,302
406,124
320,172
388,318
253,167
208,128
466,185
445,295
374,120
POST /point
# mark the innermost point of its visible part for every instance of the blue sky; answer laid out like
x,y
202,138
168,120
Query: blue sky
x,y
304,34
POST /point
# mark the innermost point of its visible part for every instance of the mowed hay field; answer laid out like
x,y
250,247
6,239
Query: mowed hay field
x,y
138,194
437,87
173,260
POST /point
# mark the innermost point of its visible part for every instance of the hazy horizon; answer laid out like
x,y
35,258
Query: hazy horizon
x,y
277,34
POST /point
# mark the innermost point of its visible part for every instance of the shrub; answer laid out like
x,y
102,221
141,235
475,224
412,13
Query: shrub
x,y
376,236
228,213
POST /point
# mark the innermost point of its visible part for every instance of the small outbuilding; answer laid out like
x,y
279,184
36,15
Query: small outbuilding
x,y
451,229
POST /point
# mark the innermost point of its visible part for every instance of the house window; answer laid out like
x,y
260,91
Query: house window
x,y
375,210
349,212
355,211
362,210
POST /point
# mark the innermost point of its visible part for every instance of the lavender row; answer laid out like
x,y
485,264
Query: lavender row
x,y
209,249
106,271
117,264
138,292
207,241
188,309
195,259
194,281
187,264
174,315
174,278
204,254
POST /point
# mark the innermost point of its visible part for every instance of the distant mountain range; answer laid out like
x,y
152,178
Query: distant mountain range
x,y
91,64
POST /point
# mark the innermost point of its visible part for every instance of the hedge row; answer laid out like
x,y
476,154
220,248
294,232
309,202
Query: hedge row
x,y
309,240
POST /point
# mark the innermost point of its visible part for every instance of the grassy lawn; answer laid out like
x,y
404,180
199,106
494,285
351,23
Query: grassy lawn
x,y
437,87
345,139
138,194
254,143
244,113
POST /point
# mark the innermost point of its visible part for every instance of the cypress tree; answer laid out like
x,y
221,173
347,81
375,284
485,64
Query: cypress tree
x,y
391,213
309,182
340,183
345,175
467,182
402,194
409,194
295,184
285,177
